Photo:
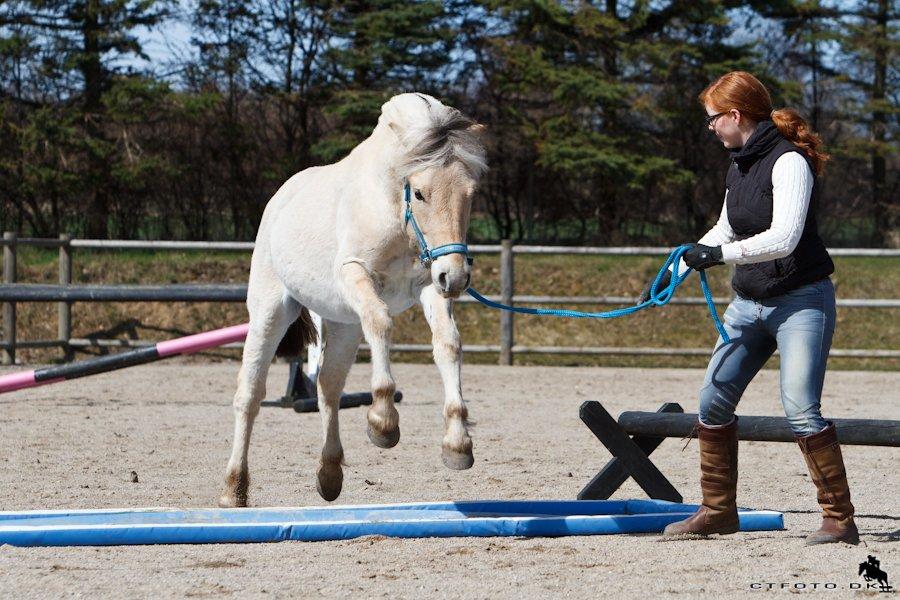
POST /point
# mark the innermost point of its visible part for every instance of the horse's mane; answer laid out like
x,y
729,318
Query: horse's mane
x,y
442,135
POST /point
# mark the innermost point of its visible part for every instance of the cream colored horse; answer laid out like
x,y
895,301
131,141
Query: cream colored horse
x,y
335,240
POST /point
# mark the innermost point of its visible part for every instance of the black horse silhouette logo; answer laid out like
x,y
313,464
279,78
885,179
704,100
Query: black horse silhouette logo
x,y
871,570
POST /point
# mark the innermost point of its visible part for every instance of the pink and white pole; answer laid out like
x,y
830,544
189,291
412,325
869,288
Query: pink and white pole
x,y
162,350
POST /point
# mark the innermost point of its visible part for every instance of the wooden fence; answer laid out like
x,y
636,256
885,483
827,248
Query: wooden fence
x,y
64,294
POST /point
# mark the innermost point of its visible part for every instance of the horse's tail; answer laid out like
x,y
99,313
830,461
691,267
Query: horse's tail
x,y
300,334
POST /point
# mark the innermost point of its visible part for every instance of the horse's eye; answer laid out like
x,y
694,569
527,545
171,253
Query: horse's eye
x,y
419,196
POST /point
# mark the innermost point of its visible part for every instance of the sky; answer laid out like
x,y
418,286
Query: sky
x,y
161,44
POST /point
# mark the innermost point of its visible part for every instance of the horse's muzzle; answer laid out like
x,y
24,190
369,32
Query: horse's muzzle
x,y
451,275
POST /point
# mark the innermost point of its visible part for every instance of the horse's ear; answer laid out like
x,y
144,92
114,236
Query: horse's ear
x,y
396,128
394,115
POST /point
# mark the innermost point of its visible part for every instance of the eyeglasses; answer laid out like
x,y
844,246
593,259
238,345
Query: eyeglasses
x,y
710,119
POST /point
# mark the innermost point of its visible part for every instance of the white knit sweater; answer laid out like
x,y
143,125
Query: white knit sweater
x,y
792,183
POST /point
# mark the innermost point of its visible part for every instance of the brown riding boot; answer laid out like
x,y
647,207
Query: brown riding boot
x,y
826,468
718,482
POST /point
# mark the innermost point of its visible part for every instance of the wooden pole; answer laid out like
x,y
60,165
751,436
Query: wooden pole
x,y
864,432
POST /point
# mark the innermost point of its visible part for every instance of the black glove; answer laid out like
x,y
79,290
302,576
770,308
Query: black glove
x,y
701,257
645,294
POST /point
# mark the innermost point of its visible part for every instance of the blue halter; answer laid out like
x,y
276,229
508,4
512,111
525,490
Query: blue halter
x,y
429,254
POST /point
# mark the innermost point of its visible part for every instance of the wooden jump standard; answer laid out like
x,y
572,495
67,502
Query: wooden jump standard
x,y
637,434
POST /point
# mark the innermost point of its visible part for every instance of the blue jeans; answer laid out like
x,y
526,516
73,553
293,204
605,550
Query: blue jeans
x,y
800,324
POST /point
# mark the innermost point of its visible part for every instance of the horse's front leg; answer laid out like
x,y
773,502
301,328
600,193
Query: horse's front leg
x,y
360,289
456,448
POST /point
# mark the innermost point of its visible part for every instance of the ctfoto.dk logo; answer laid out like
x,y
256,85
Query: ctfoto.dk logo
x,y
871,571
876,579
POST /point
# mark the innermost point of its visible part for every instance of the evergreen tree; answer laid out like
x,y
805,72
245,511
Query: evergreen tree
x,y
598,93
380,48
69,61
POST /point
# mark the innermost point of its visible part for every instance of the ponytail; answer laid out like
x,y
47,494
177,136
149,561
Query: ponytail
x,y
796,130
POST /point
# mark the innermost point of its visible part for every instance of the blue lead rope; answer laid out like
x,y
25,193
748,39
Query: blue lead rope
x,y
657,298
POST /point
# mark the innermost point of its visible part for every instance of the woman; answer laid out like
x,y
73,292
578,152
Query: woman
x,y
784,299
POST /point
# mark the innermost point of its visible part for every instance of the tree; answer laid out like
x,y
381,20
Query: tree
x,y
594,130
594,98
289,69
379,48
872,39
850,70
225,36
69,61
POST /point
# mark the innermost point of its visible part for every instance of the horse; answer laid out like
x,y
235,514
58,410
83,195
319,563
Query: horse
x,y
871,571
336,240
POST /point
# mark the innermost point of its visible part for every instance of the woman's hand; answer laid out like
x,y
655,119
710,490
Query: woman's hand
x,y
701,257
663,283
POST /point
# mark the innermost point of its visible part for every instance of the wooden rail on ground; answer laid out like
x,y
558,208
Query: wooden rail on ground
x,y
637,434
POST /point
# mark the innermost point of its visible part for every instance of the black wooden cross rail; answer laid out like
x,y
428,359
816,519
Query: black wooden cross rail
x,y
637,434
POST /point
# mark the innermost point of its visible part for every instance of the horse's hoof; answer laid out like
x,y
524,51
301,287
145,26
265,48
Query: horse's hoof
x,y
383,440
232,501
329,483
458,461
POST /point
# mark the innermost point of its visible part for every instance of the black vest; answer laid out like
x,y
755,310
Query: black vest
x,y
749,183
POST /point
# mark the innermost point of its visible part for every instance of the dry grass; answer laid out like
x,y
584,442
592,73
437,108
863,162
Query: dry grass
x,y
671,326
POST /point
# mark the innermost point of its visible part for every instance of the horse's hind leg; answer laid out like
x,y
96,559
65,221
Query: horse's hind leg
x,y
270,316
360,289
456,448
340,343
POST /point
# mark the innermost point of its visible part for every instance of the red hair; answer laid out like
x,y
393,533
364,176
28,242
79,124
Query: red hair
x,y
742,91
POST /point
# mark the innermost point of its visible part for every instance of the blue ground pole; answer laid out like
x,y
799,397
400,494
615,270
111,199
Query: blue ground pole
x,y
534,518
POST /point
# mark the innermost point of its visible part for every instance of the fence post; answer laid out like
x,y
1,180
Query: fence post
x,y
64,329
9,308
507,290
